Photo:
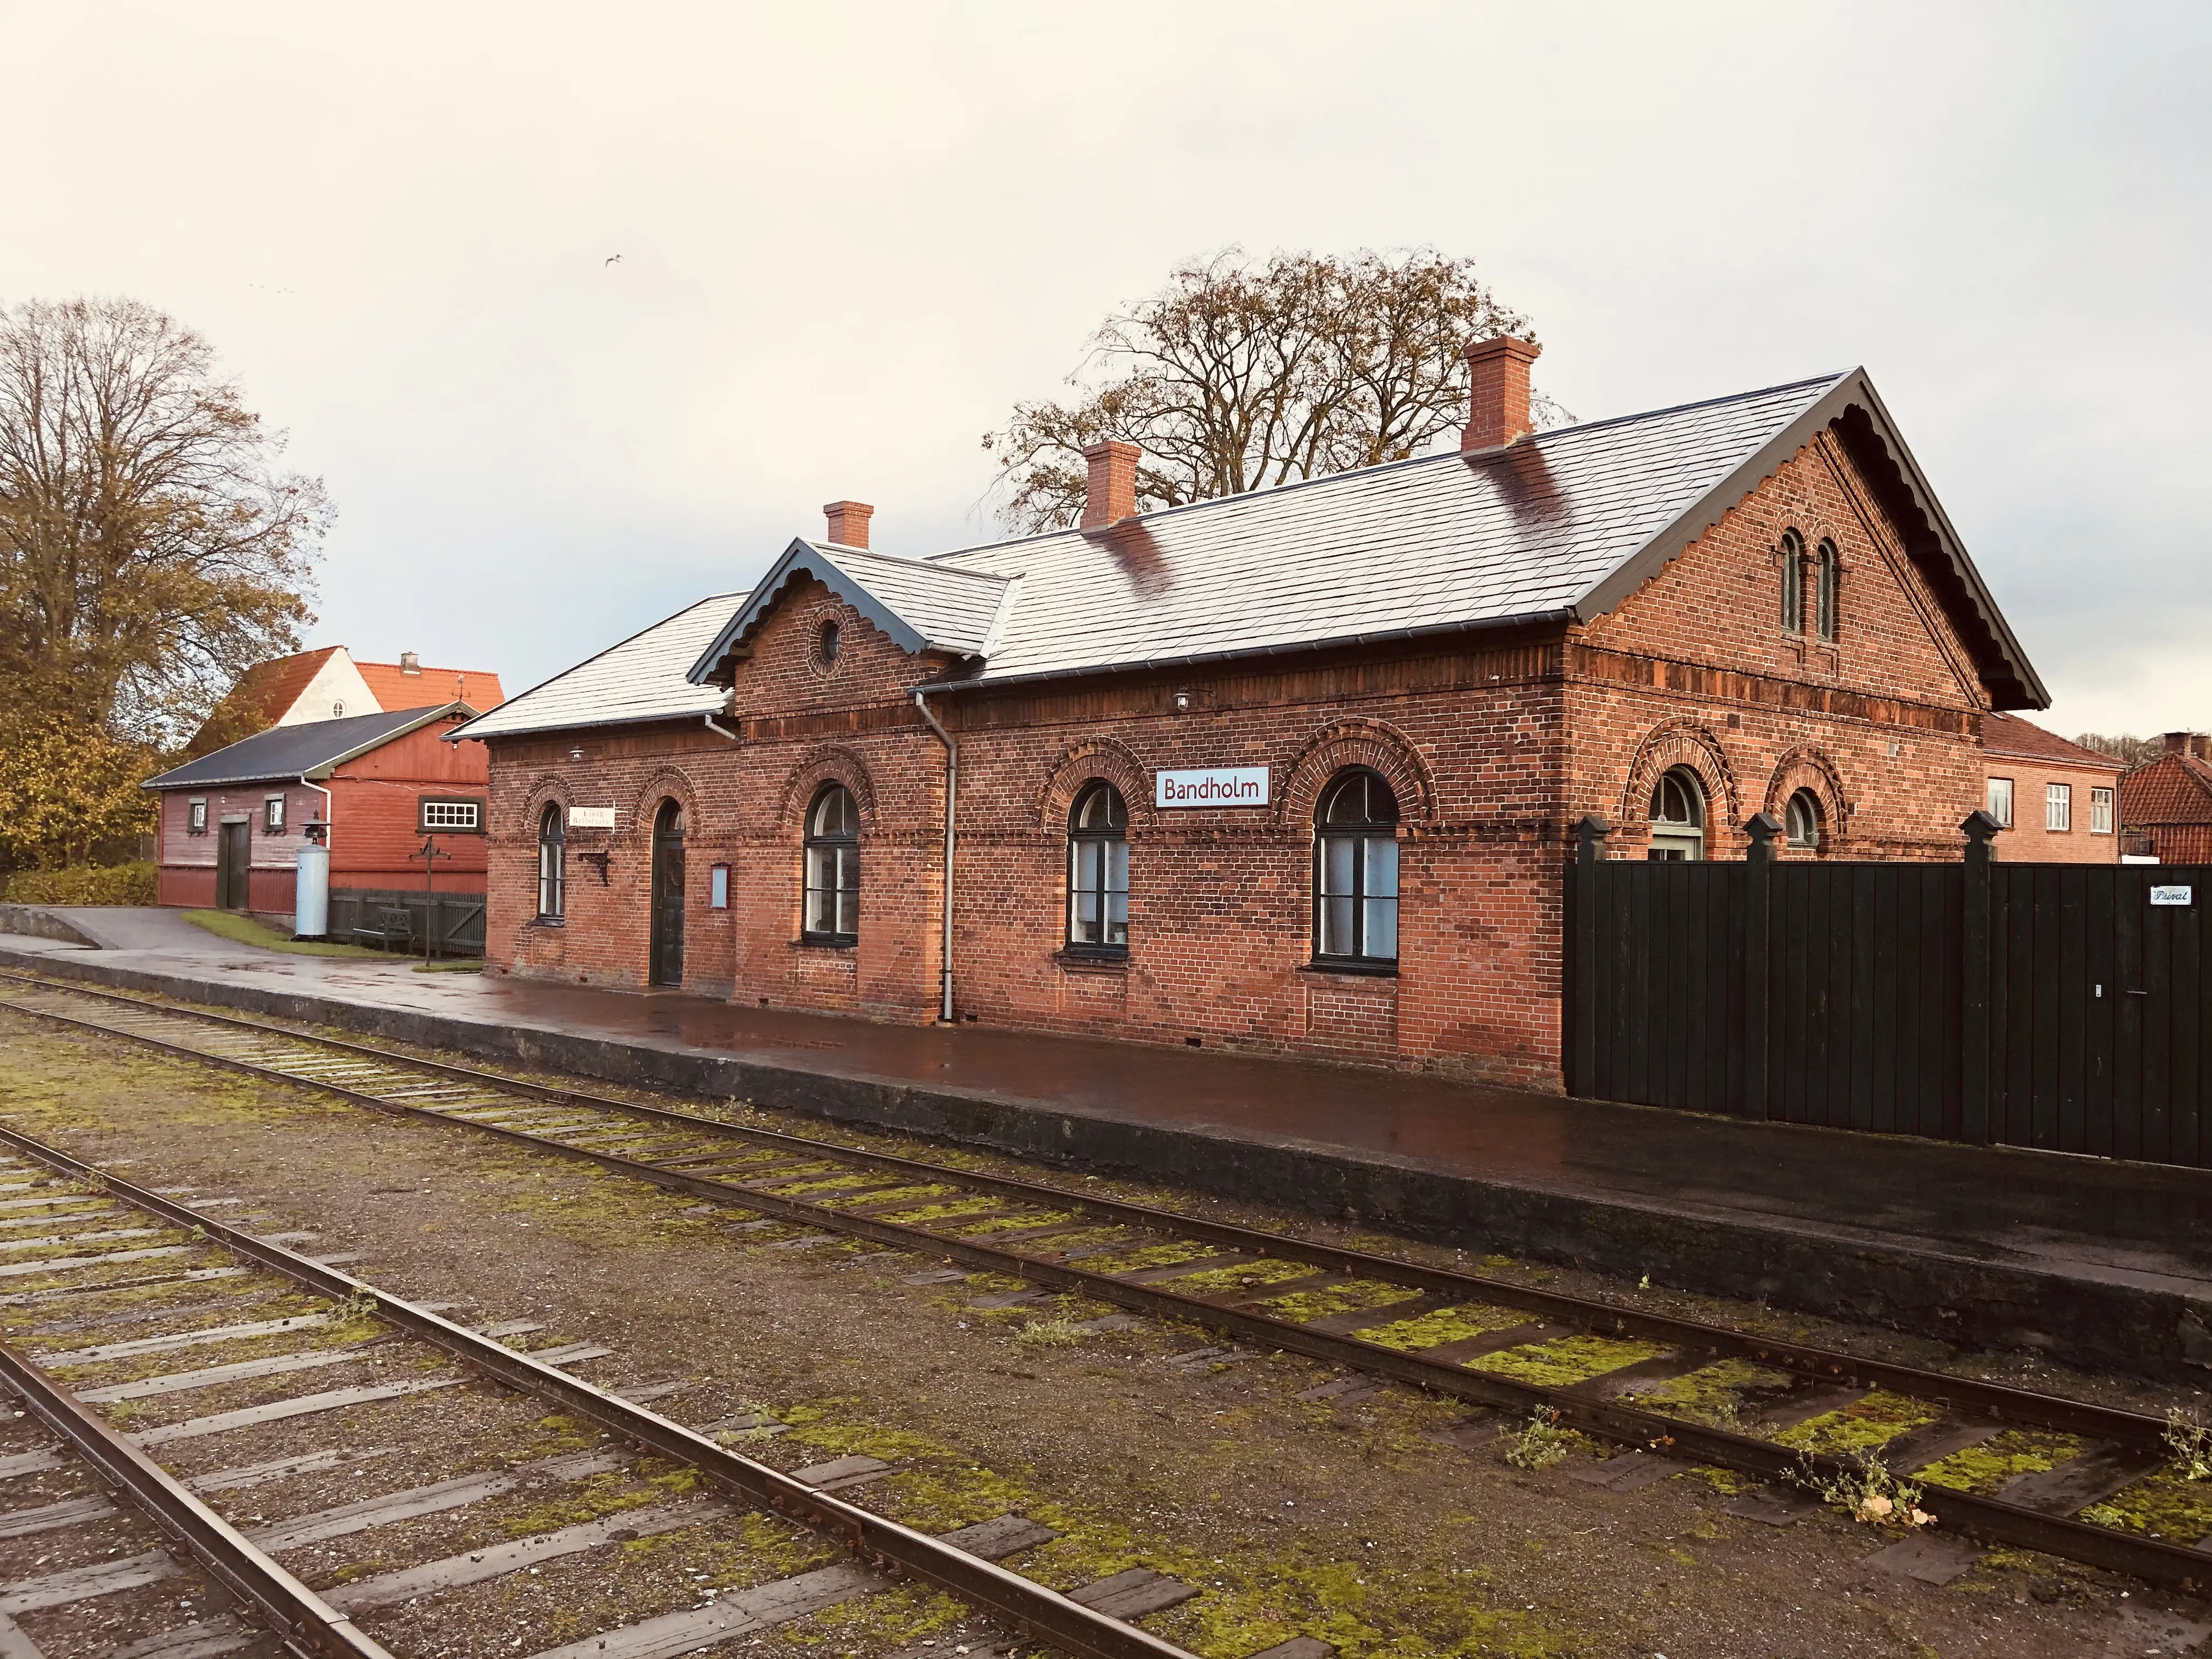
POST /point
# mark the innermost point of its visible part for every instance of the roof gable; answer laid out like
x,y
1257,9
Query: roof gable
x,y
920,605
394,686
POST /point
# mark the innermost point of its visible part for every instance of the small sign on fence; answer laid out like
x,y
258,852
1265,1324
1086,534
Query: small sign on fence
x,y
2173,895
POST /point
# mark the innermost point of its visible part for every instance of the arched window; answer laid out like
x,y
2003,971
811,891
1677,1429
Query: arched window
x,y
1678,816
552,863
1800,821
1793,582
1098,869
833,867
1356,870
1824,592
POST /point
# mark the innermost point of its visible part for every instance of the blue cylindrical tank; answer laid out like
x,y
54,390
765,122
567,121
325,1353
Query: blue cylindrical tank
x,y
310,900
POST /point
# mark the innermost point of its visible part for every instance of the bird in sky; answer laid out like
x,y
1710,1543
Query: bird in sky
x,y
613,259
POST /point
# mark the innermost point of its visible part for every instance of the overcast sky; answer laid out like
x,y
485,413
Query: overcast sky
x,y
851,237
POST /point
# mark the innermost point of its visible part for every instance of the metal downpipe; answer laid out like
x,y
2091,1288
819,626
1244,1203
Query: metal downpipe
x,y
951,795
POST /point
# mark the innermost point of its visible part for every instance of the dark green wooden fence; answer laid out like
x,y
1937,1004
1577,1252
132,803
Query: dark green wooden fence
x,y
2031,1004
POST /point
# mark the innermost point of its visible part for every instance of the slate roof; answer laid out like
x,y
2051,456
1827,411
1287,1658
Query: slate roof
x,y
1561,525
642,678
311,749
2175,789
2009,735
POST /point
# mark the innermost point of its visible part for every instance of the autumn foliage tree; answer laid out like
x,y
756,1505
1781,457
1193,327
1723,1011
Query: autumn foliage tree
x,y
1242,373
151,548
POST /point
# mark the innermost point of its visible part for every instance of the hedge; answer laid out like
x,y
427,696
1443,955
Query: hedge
x,y
121,884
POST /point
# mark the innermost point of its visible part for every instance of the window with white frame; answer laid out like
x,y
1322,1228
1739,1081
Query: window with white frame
x,y
272,815
2058,806
2001,801
450,815
196,817
2101,811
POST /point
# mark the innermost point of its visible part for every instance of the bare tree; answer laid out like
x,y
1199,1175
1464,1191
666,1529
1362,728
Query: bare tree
x,y
1241,374
2129,751
150,548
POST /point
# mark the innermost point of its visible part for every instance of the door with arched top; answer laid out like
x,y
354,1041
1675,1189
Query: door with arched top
x,y
666,967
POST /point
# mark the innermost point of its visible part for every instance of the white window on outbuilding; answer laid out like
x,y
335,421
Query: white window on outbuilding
x,y
196,817
2058,806
2101,811
272,815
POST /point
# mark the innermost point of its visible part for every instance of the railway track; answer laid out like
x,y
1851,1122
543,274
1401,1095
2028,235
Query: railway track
x,y
2001,1466
154,1382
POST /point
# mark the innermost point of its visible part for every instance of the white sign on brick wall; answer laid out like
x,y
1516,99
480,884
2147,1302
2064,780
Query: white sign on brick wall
x,y
590,818
1211,785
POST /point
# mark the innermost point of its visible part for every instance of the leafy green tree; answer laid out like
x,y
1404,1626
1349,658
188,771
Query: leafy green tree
x,y
68,791
1244,373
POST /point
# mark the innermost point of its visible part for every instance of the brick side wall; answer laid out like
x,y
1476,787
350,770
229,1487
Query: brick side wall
x,y
1493,743
2032,839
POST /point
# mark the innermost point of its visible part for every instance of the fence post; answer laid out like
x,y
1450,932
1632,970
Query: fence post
x,y
1974,968
1758,957
1581,1053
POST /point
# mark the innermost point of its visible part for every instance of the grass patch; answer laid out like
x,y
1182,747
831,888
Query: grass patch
x,y
1569,1360
1860,1426
1301,1306
2167,1505
245,930
1432,1330
1985,1468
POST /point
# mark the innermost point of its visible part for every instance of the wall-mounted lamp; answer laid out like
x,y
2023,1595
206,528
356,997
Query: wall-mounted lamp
x,y
576,754
1182,703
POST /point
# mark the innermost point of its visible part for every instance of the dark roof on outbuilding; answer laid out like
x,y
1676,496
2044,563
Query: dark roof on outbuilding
x,y
309,749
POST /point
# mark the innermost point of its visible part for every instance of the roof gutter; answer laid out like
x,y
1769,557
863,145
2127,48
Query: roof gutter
x,y
951,794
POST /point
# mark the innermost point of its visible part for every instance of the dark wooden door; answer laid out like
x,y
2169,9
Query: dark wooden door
x,y
234,855
666,967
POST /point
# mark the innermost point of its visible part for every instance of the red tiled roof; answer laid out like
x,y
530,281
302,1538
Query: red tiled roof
x,y
2175,789
2008,734
262,695
396,690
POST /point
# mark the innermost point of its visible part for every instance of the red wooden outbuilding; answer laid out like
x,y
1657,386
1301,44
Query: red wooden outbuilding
x,y
233,821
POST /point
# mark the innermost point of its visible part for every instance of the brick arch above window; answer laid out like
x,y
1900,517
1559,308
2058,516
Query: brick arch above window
x,y
664,783
1807,768
547,789
1380,748
816,767
1683,742
1101,757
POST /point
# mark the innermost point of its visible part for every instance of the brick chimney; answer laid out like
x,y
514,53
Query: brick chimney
x,y
1112,493
1498,375
2195,744
848,522
410,663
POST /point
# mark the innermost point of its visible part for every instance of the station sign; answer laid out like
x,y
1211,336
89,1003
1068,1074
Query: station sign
x,y
2180,896
590,818
1211,785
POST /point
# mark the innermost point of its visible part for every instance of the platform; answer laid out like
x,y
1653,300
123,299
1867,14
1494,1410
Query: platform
x,y
2094,1262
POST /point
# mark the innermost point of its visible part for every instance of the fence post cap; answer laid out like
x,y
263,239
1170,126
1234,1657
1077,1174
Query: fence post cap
x,y
1592,828
1979,825
1762,826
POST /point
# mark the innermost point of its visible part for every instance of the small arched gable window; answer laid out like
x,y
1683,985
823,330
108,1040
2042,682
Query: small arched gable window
x,y
1800,821
832,912
1678,818
1793,582
1824,592
552,863
1098,869
1356,870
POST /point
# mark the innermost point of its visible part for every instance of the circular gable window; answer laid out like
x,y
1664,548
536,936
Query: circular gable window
x,y
337,711
829,643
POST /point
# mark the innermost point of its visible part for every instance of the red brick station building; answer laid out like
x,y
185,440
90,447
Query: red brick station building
x,y
1292,771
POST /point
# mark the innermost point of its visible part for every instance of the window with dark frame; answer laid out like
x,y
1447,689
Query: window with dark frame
x,y
196,817
1824,592
830,642
272,815
1678,818
552,863
1793,583
1099,871
1356,872
831,914
1801,822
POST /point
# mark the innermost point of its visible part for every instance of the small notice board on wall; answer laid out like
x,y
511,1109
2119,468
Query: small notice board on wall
x,y
2177,895
590,818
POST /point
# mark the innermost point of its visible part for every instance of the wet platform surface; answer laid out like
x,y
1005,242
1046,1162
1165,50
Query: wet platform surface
x,y
2143,1226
